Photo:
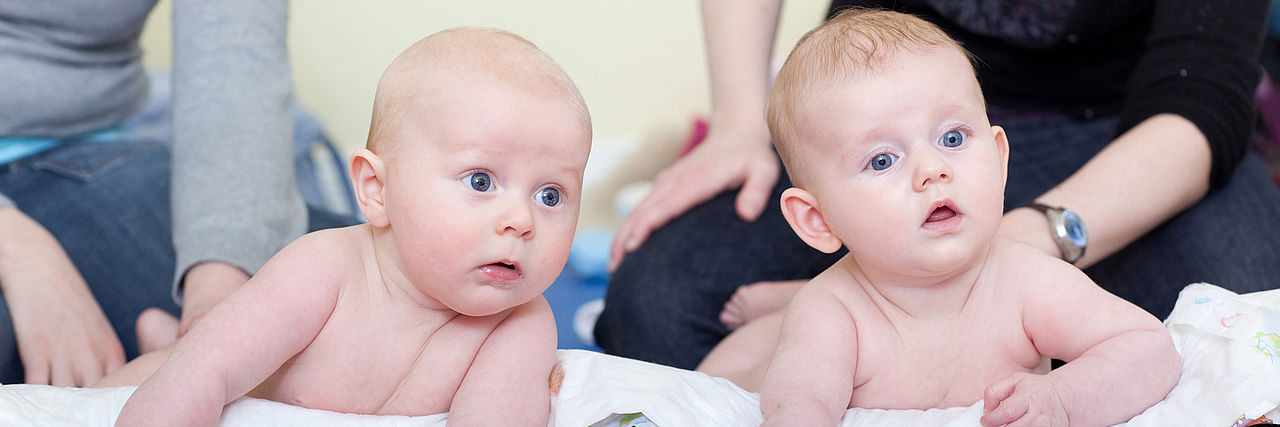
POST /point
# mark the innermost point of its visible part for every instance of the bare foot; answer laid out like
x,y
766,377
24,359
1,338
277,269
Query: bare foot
x,y
156,329
743,356
556,379
137,370
758,299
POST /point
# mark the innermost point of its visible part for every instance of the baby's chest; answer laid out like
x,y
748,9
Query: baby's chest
x,y
360,369
938,371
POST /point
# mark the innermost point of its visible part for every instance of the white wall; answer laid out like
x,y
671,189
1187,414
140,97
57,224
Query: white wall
x,y
639,64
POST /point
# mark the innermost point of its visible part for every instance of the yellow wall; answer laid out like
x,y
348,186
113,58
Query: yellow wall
x,y
640,64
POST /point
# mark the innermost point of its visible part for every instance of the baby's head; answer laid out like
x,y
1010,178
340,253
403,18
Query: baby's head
x,y
882,127
472,176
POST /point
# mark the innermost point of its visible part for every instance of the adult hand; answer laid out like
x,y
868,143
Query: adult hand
x,y
729,158
64,338
1023,400
204,286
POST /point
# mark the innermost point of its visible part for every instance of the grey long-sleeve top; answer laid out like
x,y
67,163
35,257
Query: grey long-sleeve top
x,y
73,67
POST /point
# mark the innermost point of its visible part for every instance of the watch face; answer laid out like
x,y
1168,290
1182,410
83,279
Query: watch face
x,y
1075,228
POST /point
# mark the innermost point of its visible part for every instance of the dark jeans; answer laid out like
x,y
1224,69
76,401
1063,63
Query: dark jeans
x,y
108,205
663,302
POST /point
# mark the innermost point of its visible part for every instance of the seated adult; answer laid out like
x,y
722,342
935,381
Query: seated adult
x,y
1129,120
96,223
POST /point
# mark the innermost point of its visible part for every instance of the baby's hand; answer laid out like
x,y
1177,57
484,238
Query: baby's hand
x,y
1023,400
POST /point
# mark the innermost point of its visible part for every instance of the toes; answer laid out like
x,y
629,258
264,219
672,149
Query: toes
x,y
731,318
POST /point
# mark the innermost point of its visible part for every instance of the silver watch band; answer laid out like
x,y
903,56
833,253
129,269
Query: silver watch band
x,y
1057,216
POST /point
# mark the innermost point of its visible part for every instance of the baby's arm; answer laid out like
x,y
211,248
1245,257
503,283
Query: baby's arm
x,y
507,381
1120,359
242,341
810,380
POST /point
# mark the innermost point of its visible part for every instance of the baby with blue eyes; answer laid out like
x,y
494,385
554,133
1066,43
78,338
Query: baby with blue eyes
x,y
882,126
471,183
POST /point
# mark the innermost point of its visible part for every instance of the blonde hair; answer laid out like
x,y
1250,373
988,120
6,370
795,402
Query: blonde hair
x,y
493,52
856,41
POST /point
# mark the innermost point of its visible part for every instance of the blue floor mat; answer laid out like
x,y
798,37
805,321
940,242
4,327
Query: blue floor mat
x,y
577,295
567,295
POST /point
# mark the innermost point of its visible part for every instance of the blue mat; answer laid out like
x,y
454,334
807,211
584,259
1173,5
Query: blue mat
x,y
581,283
567,295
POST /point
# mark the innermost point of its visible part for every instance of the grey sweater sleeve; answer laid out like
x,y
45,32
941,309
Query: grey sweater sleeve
x,y
234,197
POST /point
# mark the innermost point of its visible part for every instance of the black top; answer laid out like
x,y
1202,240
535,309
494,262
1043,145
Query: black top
x,y
1135,58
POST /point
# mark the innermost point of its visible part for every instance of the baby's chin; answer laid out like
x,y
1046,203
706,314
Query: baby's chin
x,y
952,259
490,304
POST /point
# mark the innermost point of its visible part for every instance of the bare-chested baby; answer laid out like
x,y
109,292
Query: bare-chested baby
x,y
881,123
471,182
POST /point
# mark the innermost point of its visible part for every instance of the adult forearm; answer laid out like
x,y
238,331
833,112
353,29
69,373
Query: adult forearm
x,y
739,41
234,198
1146,176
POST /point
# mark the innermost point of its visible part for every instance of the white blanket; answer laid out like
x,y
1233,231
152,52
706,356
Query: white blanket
x,y
1230,346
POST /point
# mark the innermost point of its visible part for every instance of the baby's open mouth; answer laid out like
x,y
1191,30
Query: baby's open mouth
x,y
502,270
942,213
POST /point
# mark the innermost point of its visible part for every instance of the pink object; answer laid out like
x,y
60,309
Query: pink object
x,y
696,135
1267,143
1268,100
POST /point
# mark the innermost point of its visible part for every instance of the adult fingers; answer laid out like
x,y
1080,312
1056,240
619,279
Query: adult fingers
x,y
756,189
113,357
35,364
618,249
670,196
88,371
62,371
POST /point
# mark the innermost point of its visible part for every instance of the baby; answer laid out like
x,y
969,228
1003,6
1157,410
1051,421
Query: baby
x,y
471,183
881,123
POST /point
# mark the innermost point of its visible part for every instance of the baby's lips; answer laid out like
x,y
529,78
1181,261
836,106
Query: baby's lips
x,y
942,210
502,270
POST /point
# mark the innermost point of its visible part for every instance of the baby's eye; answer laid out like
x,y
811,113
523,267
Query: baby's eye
x,y
952,139
480,181
549,196
882,161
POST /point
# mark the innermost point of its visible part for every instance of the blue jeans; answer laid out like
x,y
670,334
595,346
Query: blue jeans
x,y
108,205
662,303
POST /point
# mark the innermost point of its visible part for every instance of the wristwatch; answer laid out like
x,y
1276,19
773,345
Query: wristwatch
x,y
1067,229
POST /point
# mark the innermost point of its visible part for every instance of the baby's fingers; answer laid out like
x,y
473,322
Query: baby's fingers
x,y
996,392
1008,412
1005,412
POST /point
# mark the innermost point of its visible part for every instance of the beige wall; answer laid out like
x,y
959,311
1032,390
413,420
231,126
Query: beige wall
x,y
639,64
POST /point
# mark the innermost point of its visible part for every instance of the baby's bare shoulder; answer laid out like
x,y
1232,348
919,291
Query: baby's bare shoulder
x,y
1016,265
324,259
834,292
335,242
531,321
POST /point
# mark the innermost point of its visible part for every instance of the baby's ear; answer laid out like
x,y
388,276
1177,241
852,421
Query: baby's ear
x,y
800,208
1002,144
368,173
